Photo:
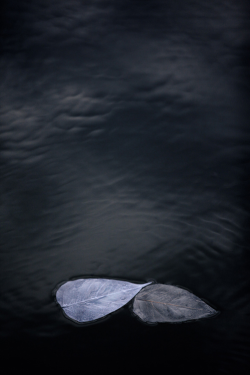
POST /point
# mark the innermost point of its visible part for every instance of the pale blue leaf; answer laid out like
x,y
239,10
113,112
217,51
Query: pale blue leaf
x,y
168,303
85,300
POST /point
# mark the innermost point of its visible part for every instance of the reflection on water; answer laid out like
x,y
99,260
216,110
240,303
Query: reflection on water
x,y
124,153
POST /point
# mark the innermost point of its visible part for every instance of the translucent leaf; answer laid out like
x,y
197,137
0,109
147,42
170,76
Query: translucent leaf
x,y
168,303
84,300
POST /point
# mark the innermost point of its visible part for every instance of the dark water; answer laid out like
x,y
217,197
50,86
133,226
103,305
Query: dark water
x,y
125,154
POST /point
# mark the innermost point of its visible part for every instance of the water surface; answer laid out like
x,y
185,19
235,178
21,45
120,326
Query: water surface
x,y
125,154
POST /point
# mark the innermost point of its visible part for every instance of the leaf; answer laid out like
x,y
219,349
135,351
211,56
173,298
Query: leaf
x,y
168,303
85,300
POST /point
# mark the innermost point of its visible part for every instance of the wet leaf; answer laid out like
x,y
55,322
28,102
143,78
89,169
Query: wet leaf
x,y
85,300
168,303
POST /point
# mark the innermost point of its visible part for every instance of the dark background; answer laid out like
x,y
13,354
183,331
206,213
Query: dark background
x,y
125,154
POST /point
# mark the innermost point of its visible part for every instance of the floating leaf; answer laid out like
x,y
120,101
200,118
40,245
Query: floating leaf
x,y
168,303
84,300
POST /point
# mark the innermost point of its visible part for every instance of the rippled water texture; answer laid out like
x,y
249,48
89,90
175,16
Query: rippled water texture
x,y
125,154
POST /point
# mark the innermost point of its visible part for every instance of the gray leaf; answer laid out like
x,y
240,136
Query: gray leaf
x,y
168,303
84,300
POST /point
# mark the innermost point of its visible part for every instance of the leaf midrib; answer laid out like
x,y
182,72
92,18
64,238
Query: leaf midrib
x,y
166,303
90,299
